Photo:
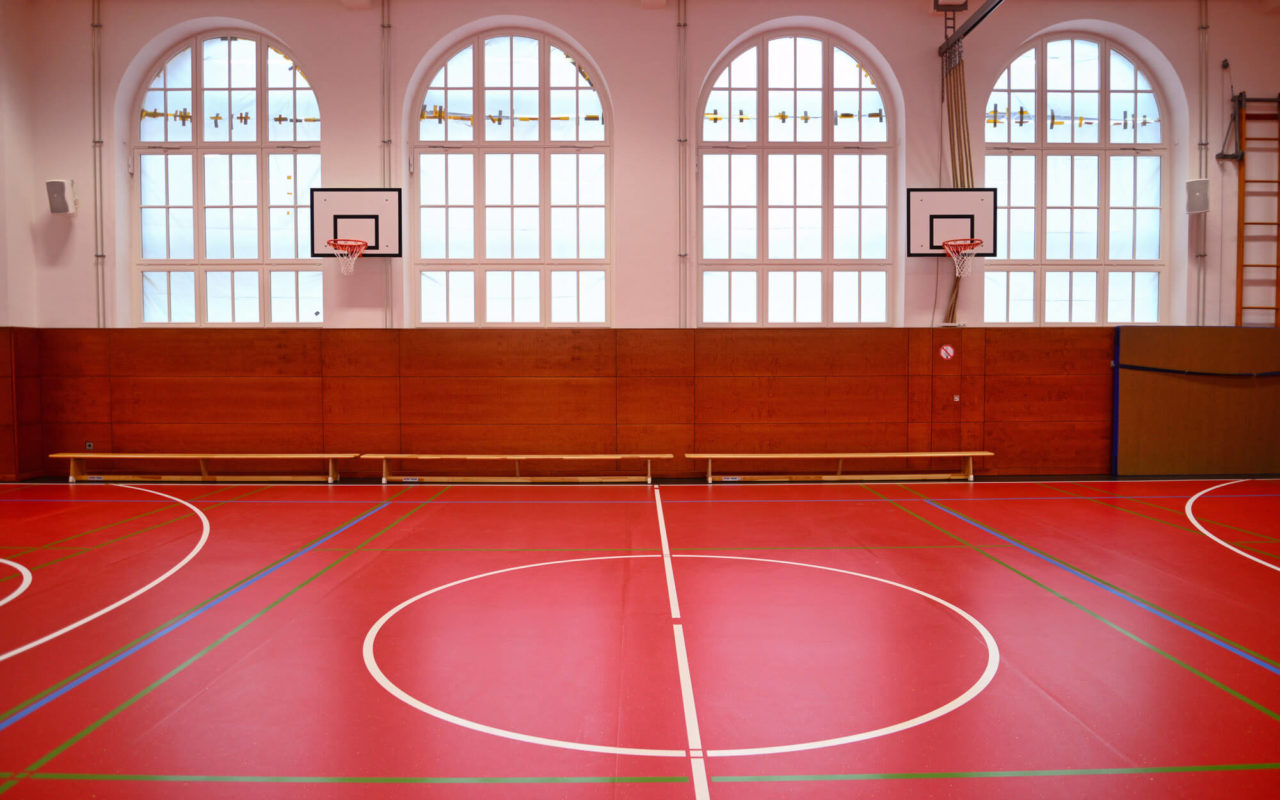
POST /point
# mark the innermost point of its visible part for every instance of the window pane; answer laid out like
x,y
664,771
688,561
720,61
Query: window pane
x,y
809,296
218,297
1146,296
1022,296
284,297
1120,297
311,296
742,302
1057,297
715,296
782,297
155,297
875,296
462,297
525,306
433,306
1084,296
498,296
182,296
995,292
564,296
844,297
591,296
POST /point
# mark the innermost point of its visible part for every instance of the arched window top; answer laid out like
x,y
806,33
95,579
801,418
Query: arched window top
x,y
505,87
1090,93
240,89
776,90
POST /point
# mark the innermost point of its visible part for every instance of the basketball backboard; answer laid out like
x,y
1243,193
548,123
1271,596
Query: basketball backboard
x,y
936,215
371,215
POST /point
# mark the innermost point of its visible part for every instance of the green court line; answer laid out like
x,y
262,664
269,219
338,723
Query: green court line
x,y
497,549
1176,512
105,718
1198,673
89,776
37,697
1137,598
90,548
1010,773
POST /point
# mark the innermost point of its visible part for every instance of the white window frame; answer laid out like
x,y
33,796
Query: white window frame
x,y
827,148
262,147
479,263
1103,149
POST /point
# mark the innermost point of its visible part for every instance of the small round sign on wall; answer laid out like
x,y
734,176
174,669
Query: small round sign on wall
x,y
947,352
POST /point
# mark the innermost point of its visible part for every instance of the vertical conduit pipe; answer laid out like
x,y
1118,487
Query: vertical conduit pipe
x,y
682,177
387,316
99,256
1202,223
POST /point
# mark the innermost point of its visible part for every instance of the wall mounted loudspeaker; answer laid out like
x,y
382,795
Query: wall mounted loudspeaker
x,y
62,196
1198,196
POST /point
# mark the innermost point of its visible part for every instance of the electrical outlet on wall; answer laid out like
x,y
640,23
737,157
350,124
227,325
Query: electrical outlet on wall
x,y
88,445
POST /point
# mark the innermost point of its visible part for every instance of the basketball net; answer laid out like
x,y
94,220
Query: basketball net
x,y
961,252
347,251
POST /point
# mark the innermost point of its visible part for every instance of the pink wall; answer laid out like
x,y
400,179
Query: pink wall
x,y
46,263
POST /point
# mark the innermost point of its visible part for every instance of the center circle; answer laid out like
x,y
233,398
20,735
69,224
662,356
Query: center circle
x,y
987,674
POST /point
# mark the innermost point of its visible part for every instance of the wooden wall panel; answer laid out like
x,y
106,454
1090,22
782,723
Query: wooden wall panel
x,y
507,401
355,352
423,438
8,410
361,438
151,437
799,438
8,453
655,400
801,353
655,352
1049,351
674,439
74,352
75,399
361,400
6,352
215,353
216,400
1049,397
505,354
70,437
1049,447
1202,349
794,399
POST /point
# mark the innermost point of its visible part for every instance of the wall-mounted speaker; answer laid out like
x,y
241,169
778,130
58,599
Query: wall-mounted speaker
x,y
1198,196
62,196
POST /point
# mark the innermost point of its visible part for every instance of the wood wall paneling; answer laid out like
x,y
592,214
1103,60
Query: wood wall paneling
x,y
1049,351
1202,349
355,352
70,437
508,401
653,400
74,352
75,399
189,437
801,353
952,338
515,439
214,353
657,438
1047,447
1049,397
286,401
657,353
361,400
508,353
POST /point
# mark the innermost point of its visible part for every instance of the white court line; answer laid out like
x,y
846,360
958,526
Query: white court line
x,y
204,537
26,579
666,557
697,767
1191,501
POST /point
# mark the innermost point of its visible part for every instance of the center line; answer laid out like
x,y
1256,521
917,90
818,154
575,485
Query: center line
x,y
666,557
698,767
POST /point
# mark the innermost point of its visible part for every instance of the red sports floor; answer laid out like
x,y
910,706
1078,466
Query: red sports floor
x,y
984,640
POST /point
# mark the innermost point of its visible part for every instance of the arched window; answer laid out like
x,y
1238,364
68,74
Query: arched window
x,y
511,170
227,150
794,187
1075,150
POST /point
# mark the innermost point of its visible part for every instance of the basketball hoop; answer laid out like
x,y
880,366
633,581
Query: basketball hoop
x,y
961,252
347,251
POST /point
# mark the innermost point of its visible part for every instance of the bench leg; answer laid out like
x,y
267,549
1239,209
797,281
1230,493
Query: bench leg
x,y
333,473
76,472
648,470
708,470
385,473
968,467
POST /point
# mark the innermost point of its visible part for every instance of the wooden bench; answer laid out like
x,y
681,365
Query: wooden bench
x,y
78,466
647,477
840,458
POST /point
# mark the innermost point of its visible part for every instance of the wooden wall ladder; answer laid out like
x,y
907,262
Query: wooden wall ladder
x,y
1257,127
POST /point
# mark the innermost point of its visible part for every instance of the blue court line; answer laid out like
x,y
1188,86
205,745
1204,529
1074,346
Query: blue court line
x,y
1113,590
47,699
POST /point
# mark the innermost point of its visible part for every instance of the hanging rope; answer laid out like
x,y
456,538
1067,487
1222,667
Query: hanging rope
x,y
958,136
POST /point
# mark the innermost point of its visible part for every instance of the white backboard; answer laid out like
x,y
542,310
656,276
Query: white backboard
x,y
936,215
371,215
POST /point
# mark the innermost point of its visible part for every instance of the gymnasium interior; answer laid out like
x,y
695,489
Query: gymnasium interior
x,y
639,398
